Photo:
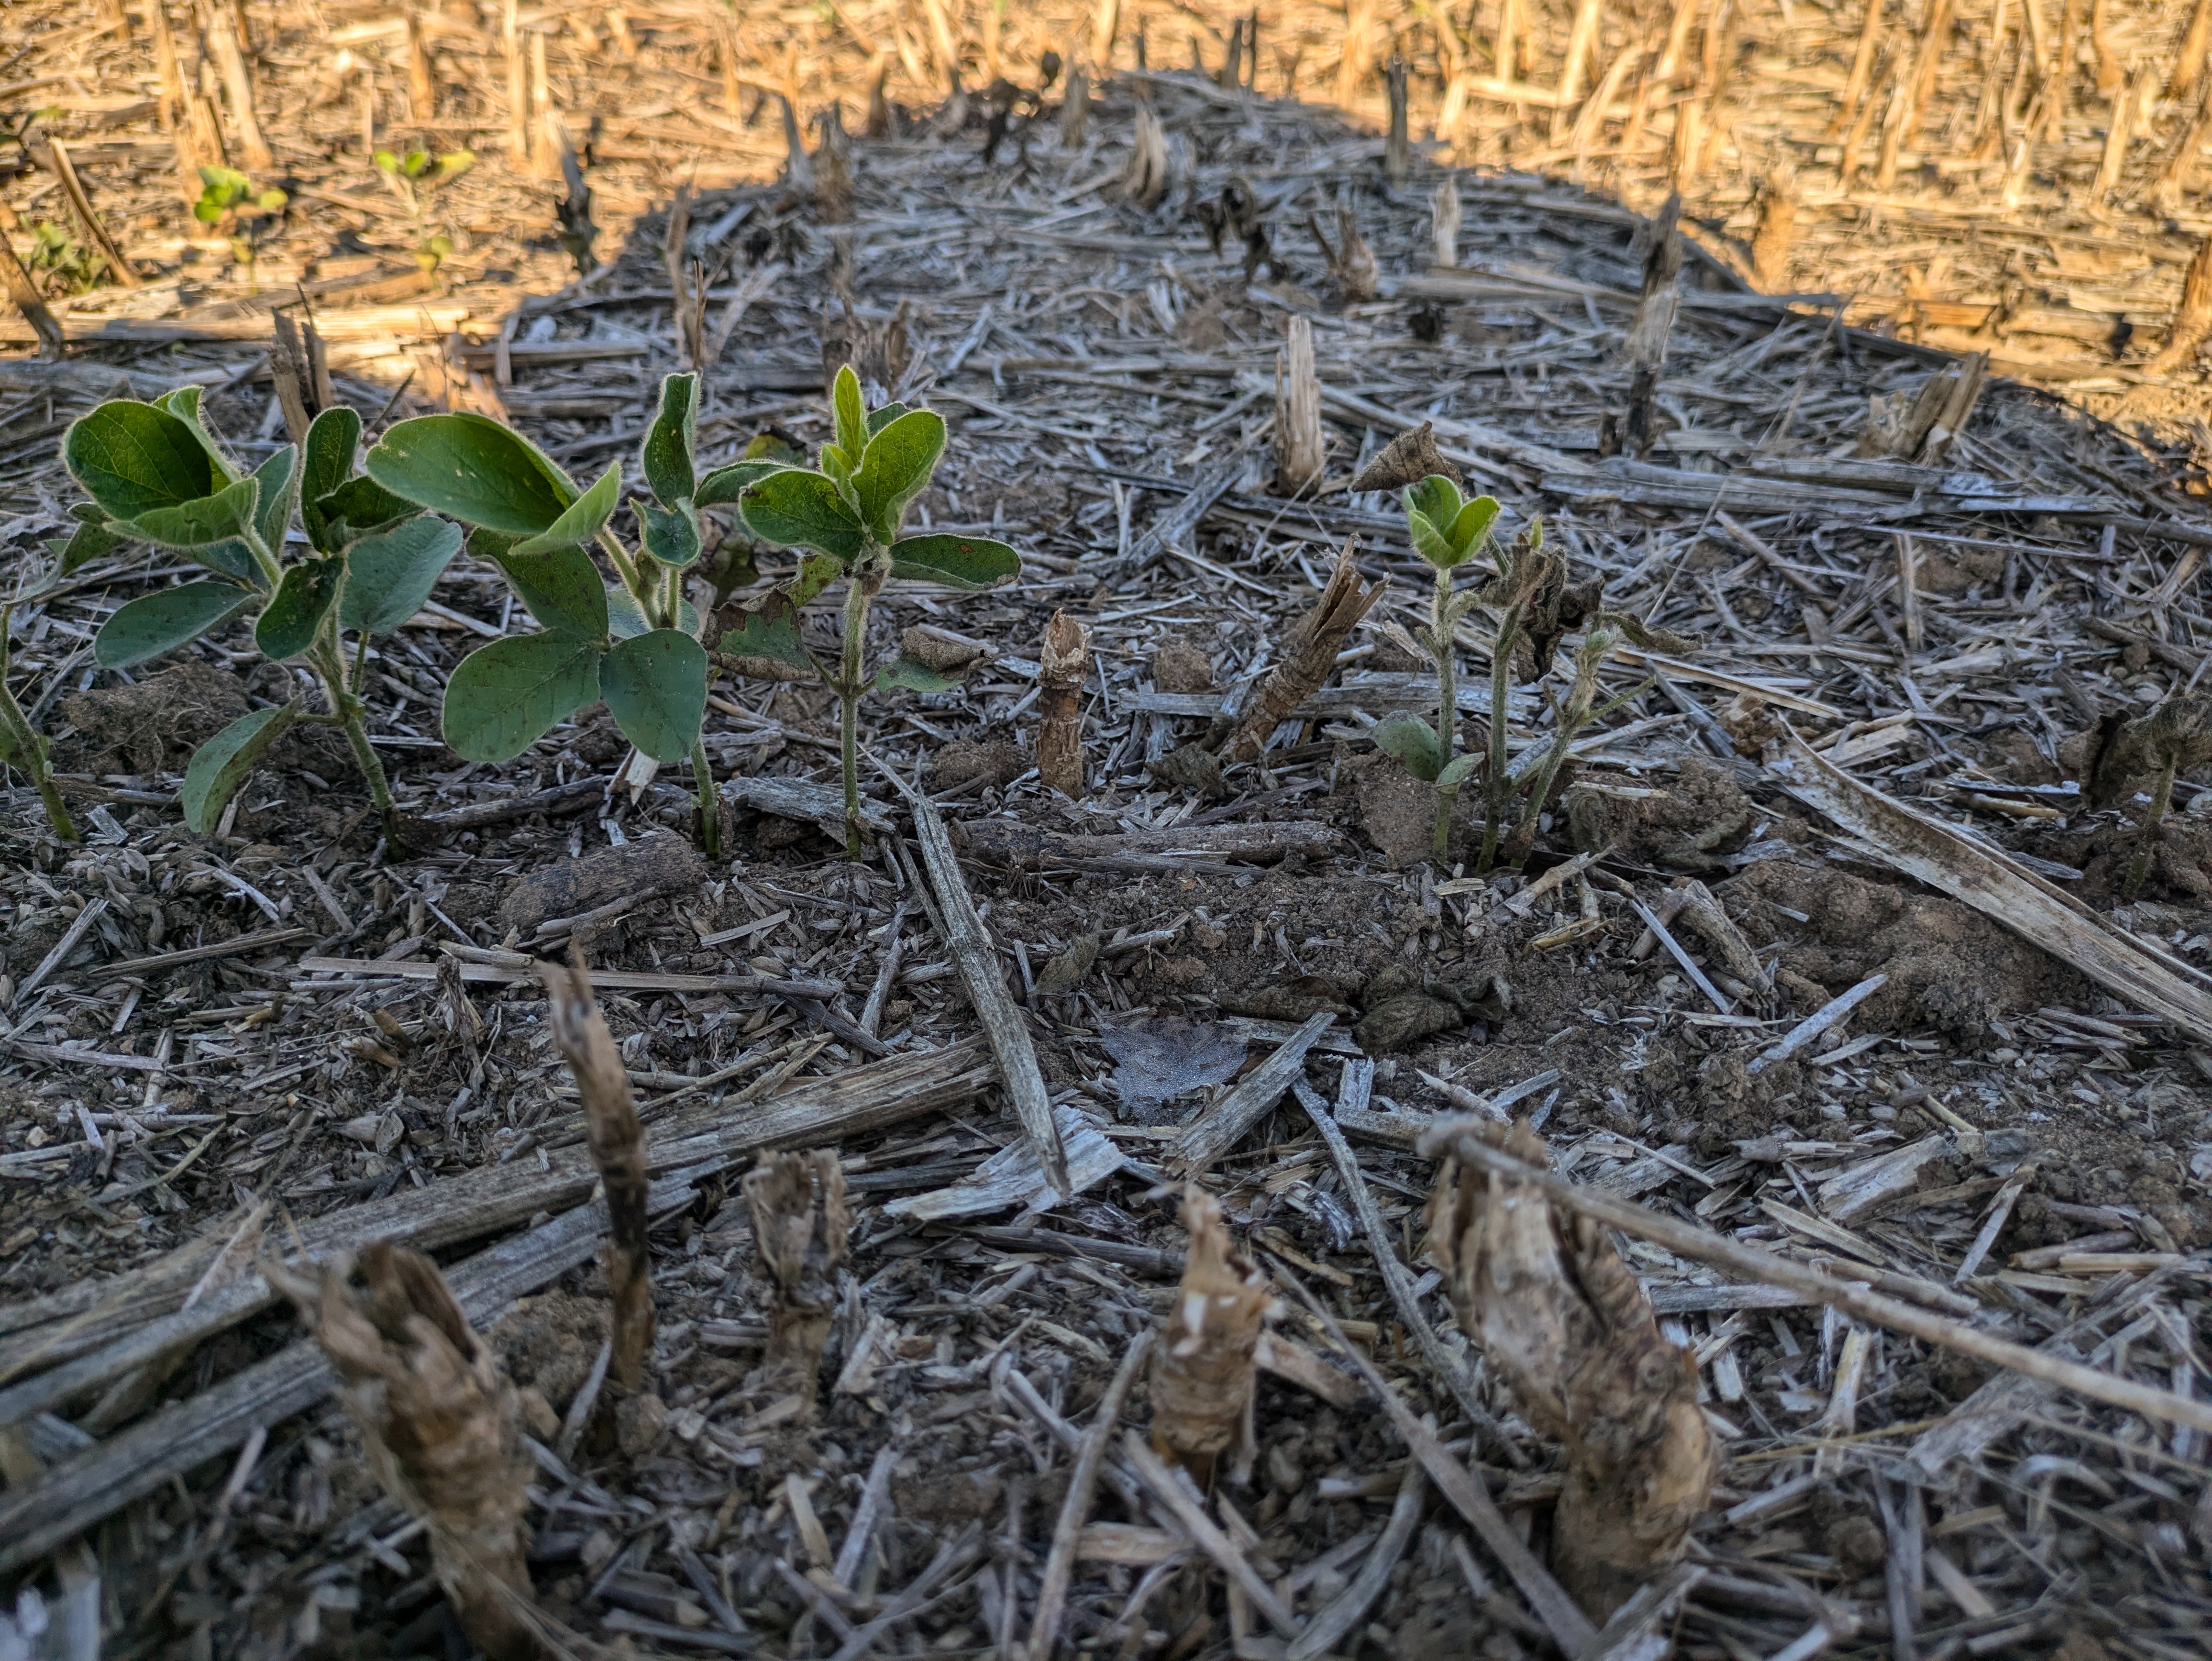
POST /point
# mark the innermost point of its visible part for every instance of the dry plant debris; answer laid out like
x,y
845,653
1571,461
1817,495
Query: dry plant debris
x,y
1202,1371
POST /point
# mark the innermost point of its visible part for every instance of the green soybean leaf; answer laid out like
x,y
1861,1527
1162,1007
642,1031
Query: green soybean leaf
x,y
165,619
796,508
221,764
287,625
389,575
562,589
278,479
506,697
1429,542
727,485
327,456
132,458
184,403
582,519
84,543
816,572
669,442
913,677
851,413
354,509
626,619
770,631
1436,496
961,561
897,465
1458,771
472,468
656,687
224,517
1473,524
672,534
1413,741
880,419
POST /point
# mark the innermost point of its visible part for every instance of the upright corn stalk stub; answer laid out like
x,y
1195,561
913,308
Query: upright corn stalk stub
x,y
800,1228
1202,1365
1061,666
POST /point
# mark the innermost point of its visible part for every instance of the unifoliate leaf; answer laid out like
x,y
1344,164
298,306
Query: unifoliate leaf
x,y
184,403
221,764
727,485
506,697
326,459
471,468
880,419
1458,771
278,480
132,458
1413,741
1472,525
224,517
84,543
961,561
562,589
655,685
357,508
816,572
1429,541
672,440
165,619
626,619
388,575
770,631
897,466
582,519
1436,498
914,678
802,509
672,534
852,413
287,625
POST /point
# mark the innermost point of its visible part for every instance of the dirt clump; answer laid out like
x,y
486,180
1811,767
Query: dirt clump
x,y
1679,827
1180,666
997,762
154,726
1398,812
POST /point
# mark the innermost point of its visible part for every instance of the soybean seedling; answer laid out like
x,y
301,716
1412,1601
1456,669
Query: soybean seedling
x,y
229,203
412,176
848,515
1447,532
155,475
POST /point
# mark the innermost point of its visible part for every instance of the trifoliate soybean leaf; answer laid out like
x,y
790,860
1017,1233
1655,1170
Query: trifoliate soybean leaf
x,y
184,403
582,519
471,468
389,575
672,440
1473,524
905,673
226,515
838,466
961,561
770,631
232,559
165,619
880,419
656,687
727,485
626,619
221,764
562,589
796,508
1435,496
278,479
897,465
816,572
131,459
506,697
672,534
1430,542
327,455
1413,741
1458,771
851,413
357,508
287,625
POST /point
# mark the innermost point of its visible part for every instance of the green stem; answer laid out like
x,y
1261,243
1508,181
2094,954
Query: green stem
x,y
627,569
1499,784
30,749
1440,631
859,590
2153,827
265,560
328,658
703,783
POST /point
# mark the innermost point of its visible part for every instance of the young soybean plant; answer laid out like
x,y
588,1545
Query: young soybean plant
x,y
1447,532
635,646
154,475
848,514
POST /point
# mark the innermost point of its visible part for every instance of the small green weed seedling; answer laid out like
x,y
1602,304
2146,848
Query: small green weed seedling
x,y
848,516
155,475
64,261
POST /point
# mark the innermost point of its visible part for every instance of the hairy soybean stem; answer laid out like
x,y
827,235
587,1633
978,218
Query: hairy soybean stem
x,y
1447,712
627,569
30,749
1499,782
859,588
328,658
2154,824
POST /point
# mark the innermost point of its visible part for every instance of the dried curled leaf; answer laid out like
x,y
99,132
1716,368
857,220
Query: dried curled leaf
x,y
800,1230
442,1426
1569,1329
1202,1376
1407,459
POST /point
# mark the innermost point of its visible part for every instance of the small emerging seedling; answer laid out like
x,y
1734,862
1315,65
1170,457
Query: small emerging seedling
x,y
157,476
229,203
848,514
1447,532
414,176
64,262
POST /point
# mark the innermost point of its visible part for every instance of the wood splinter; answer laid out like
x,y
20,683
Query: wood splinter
x,y
1061,667
1301,451
802,1226
1202,1366
1308,655
442,1426
1568,1330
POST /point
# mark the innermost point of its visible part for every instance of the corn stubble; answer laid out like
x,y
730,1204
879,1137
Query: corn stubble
x,y
1557,1313
801,1226
442,1426
1202,1378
